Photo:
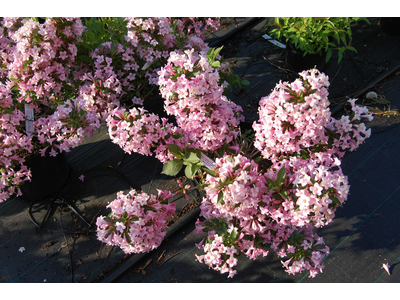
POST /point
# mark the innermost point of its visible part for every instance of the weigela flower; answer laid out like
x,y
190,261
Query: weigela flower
x,y
232,212
138,131
190,87
66,128
304,251
295,118
37,62
137,221
12,143
309,194
33,64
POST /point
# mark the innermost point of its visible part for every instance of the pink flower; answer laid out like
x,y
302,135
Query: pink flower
x,y
184,189
120,226
145,221
232,261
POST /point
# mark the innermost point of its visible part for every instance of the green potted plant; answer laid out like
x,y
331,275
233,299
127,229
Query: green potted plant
x,y
312,37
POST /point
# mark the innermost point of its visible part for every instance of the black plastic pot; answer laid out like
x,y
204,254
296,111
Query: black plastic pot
x,y
49,174
300,62
390,25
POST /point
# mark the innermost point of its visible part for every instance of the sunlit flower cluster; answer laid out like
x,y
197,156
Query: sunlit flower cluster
x,y
304,250
154,38
192,92
308,195
42,56
138,131
125,74
69,93
248,205
232,212
137,221
66,128
295,118
246,208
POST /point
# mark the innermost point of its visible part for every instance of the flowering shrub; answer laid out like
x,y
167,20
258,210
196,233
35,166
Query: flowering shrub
x,y
137,221
42,56
206,119
232,213
40,112
276,199
66,128
60,79
125,72
246,207
249,205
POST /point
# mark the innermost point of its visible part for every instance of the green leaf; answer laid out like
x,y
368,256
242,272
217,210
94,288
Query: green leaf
x,y
217,51
192,156
271,183
351,48
281,175
328,55
340,56
224,229
112,48
49,41
233,235
216,64
85,58
175,150
191,170
335,200
285,195
244,82
211,172
220,197
172,167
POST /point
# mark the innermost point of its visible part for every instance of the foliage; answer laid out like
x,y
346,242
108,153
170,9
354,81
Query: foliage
x,y
316,35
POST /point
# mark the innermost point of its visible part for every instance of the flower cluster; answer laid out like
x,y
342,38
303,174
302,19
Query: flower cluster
x,y
38,105
51,98
245,208
295,118
69,86
352,132
12,145
125,73
307,193
232,212
154,38
137,221
190,86
305,251
66,128
138,131
299,189
107,83
42,57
